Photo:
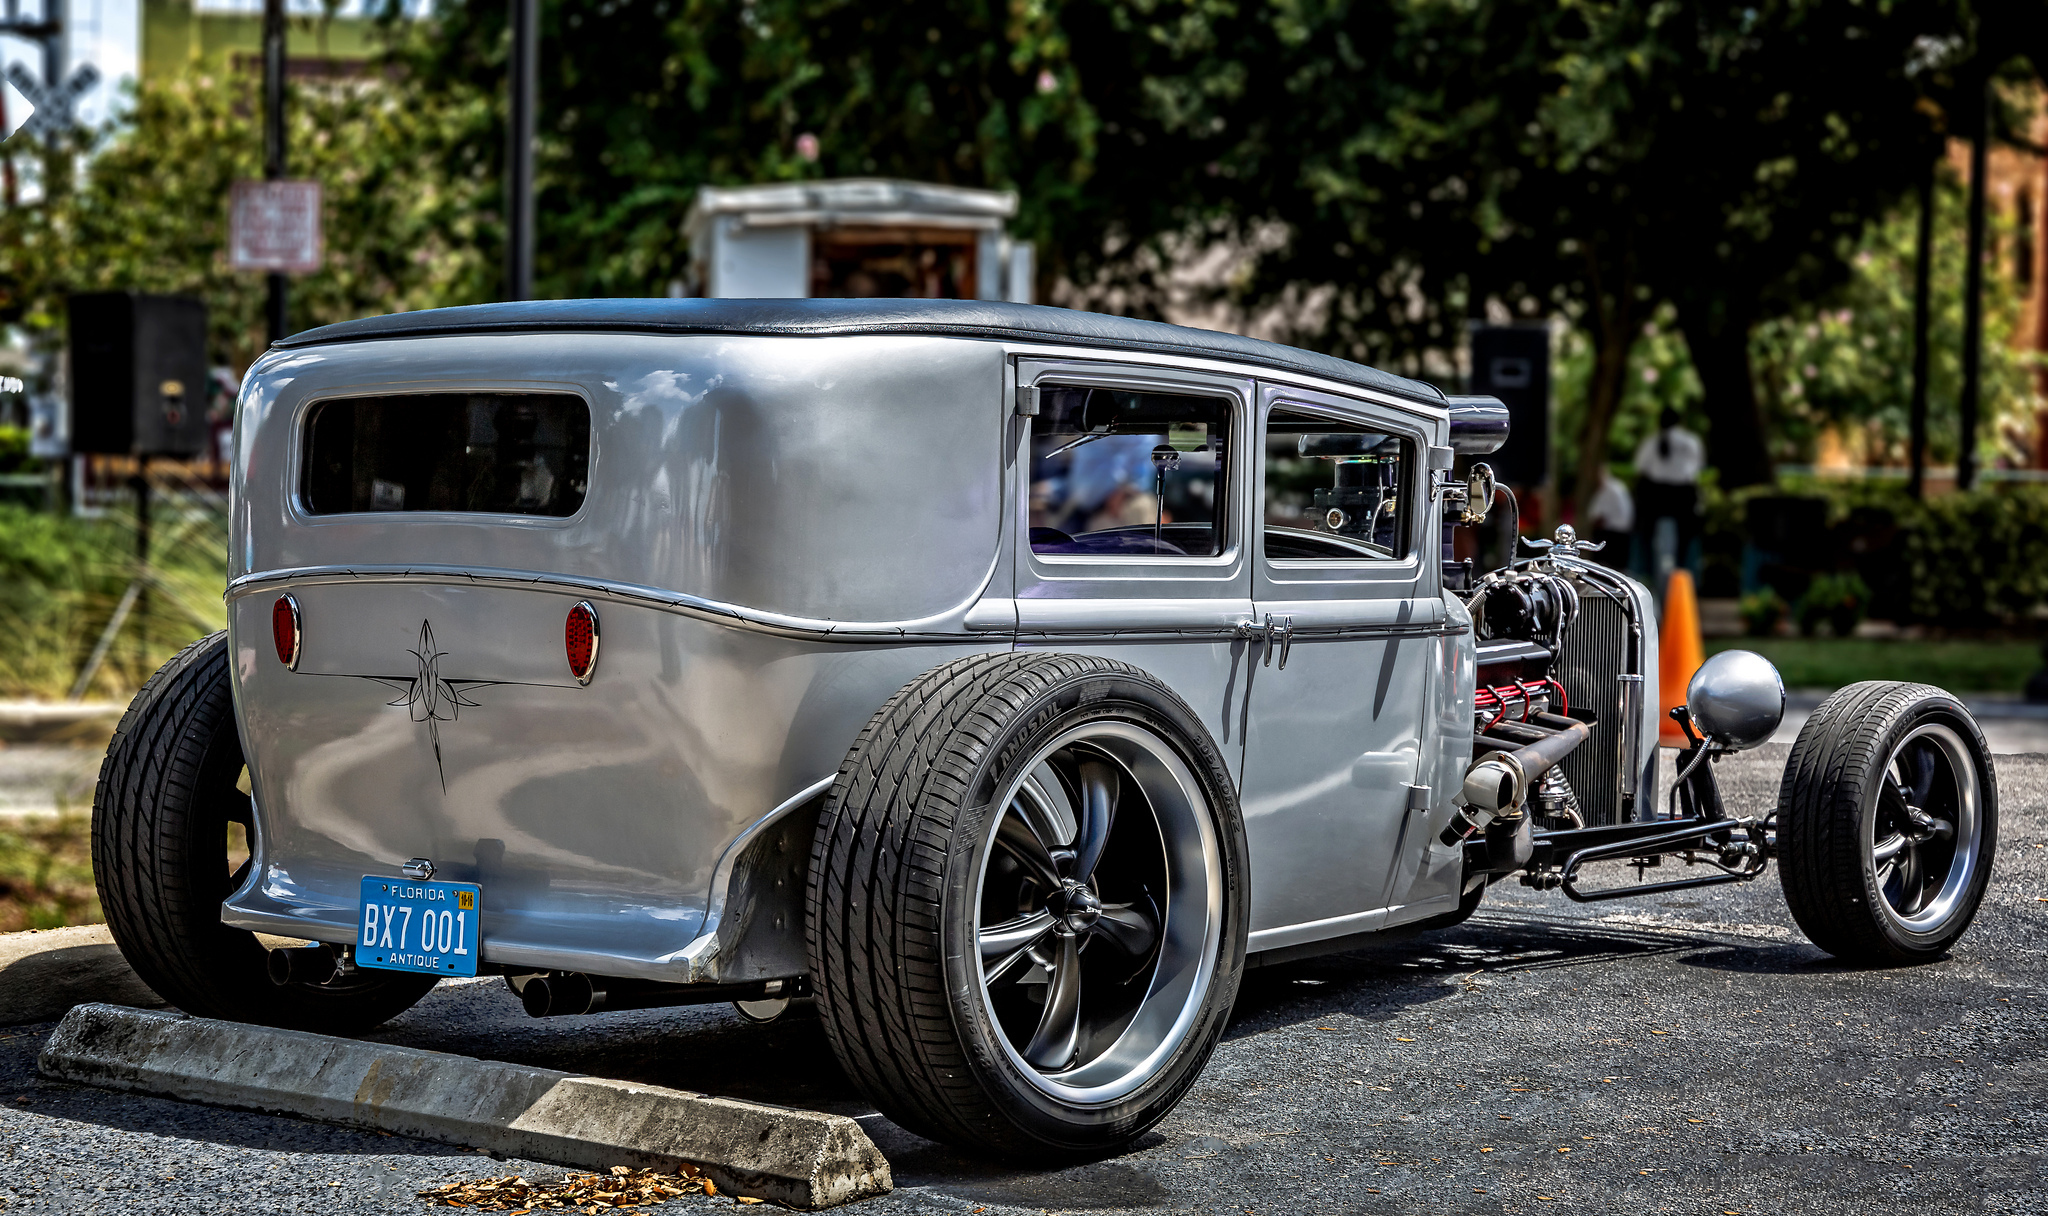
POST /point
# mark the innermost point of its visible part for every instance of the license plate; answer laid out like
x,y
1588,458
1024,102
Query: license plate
x,y
408,925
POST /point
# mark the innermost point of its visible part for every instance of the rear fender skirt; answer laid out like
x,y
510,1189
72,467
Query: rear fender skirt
x,y
717,938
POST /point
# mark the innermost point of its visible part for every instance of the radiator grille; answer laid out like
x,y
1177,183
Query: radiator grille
x,y
1595,653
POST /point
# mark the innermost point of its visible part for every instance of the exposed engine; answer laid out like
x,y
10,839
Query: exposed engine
x,y
1564,641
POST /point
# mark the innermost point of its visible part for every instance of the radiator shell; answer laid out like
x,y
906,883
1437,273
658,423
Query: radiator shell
x,y
1613,635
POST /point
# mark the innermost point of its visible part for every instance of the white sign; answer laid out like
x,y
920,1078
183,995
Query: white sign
x,y
17,109
274,226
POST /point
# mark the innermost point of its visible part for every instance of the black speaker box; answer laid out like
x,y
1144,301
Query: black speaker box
x,y
1512,362
138,374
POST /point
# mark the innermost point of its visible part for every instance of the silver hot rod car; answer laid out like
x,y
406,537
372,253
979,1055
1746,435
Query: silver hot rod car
x,y
1005,680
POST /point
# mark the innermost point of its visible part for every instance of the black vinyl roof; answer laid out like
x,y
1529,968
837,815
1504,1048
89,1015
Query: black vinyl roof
x,y
825,318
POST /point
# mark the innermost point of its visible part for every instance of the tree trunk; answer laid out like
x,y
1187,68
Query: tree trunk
x,y
1614,335
1735,428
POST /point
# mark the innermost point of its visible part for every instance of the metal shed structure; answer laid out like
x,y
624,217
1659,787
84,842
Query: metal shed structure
x,y
857,237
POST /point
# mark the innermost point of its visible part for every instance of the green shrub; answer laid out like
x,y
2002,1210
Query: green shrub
x,y
1972,559
1762,610
14,457
1842,600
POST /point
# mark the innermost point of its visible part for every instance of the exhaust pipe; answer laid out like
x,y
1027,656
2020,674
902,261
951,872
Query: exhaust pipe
x,y
1497,784
562,993
314,965
1501,781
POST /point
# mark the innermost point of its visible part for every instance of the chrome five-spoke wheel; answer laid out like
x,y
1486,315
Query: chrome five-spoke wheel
x,y
1887,821
1098,911
1027,910
1926,834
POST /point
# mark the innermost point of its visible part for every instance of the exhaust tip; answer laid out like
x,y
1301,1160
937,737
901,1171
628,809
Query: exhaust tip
x,y
301,965
559,993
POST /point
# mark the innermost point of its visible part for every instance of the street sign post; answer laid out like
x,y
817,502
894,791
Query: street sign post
x,y
275,226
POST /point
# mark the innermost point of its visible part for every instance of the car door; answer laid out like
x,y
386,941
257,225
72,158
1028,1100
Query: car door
x,y
1346,599
1133,540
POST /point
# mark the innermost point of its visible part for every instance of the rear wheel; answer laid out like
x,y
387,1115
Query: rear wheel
x,y
1026,915
169,793
1887,822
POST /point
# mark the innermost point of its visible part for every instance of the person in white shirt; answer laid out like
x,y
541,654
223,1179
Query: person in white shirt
x,y
1668,466
1612,514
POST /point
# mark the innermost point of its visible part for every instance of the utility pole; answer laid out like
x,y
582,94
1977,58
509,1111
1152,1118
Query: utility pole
x,y
1973,296
1922,265
524,68
273,141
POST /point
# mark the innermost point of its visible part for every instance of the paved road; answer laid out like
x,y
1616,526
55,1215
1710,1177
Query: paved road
x,y
1689,1053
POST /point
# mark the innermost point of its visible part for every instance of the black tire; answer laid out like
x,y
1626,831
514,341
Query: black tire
x,y
1887,823
896,894
167,793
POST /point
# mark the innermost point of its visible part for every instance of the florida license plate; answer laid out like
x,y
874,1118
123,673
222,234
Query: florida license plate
x,y
409,925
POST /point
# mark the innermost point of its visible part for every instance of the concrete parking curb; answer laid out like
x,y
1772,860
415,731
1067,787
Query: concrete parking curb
x,y
800,1158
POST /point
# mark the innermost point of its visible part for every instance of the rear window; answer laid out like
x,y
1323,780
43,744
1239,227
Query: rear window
x,y
494,453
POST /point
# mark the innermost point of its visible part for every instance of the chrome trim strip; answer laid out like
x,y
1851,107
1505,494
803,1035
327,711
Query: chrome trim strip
x,y
945,625
1084,633
696,957
958,622
1315,930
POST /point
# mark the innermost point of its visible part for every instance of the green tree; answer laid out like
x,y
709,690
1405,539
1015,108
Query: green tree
x,y
1845,360
645,102
405,194
1594,156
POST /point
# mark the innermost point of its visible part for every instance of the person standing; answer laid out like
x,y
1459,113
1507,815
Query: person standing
x,y
1668,467
1612,514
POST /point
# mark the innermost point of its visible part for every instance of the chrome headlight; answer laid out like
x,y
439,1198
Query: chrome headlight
x,y
1736,699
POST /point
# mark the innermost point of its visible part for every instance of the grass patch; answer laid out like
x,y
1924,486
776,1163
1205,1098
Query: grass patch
x,y
1958,666
46,873
62,580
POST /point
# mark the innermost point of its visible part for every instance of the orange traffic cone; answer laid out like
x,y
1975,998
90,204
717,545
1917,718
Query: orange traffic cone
x,y
1680,653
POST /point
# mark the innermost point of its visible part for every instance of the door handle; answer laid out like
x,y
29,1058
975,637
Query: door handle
x,y
1275,633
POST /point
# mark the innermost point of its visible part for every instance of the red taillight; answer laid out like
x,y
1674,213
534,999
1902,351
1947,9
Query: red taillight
x,y
284,630
579,640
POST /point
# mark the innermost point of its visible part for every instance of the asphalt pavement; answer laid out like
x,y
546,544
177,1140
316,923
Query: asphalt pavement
x,y
1685,1053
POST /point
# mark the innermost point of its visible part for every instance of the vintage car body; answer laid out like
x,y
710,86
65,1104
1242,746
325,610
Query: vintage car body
x,y
1007,679
771,556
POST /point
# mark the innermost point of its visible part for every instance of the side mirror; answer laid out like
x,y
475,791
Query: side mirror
x,y
1736,699
1479,488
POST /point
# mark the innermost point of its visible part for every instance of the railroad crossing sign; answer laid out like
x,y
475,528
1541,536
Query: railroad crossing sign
x,y
14,109
54,105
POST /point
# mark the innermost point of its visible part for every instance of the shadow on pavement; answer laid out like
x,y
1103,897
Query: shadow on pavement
x,y
1382,980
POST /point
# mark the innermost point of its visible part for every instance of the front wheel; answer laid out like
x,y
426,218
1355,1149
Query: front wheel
x,y
1026,911
1887,820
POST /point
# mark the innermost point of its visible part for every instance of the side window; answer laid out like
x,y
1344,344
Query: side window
x,y
1335,490
1128,474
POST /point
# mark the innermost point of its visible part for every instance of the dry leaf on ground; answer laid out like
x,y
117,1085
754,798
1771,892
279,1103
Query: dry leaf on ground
x,y
620,1188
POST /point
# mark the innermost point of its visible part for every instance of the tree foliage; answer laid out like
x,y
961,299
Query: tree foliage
x,y
1386,170
646,100
1843,360
406,196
